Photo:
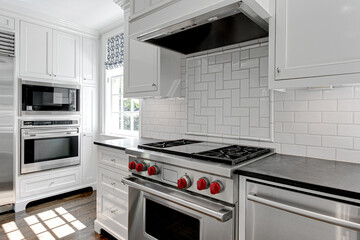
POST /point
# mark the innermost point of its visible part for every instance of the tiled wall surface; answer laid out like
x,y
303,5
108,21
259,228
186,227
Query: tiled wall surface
x,y
228,94
321,124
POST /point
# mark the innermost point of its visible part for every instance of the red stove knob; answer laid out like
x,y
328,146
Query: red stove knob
x,y
140,167
202,183
216,187
184,182
153,170
132,165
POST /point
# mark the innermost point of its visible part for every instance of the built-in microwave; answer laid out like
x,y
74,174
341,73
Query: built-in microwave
x,y
39,98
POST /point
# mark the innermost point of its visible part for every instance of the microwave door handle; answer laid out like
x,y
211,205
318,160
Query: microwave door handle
x,y
221,214
304,212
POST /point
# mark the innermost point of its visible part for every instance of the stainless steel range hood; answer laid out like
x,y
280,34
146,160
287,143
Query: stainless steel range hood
x,y
229,25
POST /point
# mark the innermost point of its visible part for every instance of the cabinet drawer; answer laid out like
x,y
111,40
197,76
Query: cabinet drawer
x,y
49,182
116,159
111,182
7,22
112,211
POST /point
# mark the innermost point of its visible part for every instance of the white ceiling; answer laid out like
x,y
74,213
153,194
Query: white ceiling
x,y
96,14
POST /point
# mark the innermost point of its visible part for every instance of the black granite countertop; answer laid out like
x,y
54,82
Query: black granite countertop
x,y
334,177
123,143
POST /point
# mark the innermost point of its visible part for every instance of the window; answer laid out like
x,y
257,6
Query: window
x,y
121,114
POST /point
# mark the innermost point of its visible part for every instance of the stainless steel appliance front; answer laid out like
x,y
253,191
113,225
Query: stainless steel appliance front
x,y
48,147
159,211
39,98
281,212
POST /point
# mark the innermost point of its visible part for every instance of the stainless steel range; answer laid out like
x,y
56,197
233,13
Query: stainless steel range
x,y
185,189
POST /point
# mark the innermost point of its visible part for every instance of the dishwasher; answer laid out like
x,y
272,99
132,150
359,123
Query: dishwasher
x,y
280,212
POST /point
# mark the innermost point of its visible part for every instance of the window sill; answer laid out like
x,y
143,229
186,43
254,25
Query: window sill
x,y
113,135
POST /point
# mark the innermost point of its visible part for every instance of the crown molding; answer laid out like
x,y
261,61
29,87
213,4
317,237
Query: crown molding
x,y
22,13
124,4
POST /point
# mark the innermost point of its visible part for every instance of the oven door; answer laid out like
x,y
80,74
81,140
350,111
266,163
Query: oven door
x,y
162,212
49,148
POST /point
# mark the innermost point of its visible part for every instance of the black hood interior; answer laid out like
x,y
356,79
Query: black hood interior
x,y
223,32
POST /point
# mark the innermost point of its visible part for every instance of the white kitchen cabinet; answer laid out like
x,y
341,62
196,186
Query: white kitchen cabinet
x,y
7,22
150,71
89,133
314,43
35,51
66,56
49,54
89,61
140,7
112,195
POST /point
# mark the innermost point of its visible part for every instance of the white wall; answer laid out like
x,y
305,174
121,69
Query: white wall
x,y
321,124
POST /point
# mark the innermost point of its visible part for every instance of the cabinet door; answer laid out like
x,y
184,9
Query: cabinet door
x,y
66,56
35,51
89,130
89,63
142,68
316,38
138,7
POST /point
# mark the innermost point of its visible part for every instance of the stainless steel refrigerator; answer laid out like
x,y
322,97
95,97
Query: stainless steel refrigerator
x,y
7,119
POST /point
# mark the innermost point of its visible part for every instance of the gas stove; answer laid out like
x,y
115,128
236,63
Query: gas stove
x,y
227,154
199,167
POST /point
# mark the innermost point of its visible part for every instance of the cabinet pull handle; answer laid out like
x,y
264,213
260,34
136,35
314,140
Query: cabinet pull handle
x,y
278,70
51,183
113,211
113,160
113,183
154,84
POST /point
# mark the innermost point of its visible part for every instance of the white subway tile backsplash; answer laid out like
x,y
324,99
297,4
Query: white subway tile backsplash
x,y
337,142
349,130
350,105
323,129
295,127
337,117
348,155
291,149
308,95
320,152
308,117
323,105
226,94
339,93
305,139
290,106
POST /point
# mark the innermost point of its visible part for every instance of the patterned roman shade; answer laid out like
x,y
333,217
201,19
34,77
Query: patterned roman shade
x,y
115,52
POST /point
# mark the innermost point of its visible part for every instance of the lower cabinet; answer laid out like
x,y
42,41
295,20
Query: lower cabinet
x,y
112,195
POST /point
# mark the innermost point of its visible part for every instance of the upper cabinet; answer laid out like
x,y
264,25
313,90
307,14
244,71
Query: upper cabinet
x,y
49,54
150,71
66,56
314,43
89,61
140,7
35,51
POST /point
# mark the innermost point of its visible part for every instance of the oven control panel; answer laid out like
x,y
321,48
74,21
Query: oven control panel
x,y
203,183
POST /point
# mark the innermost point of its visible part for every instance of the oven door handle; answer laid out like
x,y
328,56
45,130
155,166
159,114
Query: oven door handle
x,y
217,211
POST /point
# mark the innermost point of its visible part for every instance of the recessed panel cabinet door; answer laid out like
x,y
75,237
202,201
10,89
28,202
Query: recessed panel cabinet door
x,y
89,130
35,51
66,59
317,38
143,68
89,53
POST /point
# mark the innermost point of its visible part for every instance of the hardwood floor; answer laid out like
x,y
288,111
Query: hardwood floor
x,y
68,216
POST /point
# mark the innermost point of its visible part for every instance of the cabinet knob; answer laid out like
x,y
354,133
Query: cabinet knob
x,y
278,70
113,184
154,84
84,78
113,159
54,75
50,74
113,211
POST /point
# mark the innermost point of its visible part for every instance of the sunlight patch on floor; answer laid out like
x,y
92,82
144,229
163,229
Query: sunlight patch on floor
x,y
48,225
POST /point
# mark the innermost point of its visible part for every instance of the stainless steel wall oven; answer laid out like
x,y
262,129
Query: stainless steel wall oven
x,y
49,98
49,144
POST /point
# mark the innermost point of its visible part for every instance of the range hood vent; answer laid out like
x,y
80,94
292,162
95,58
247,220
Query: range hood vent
x,y
230,25
7,44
